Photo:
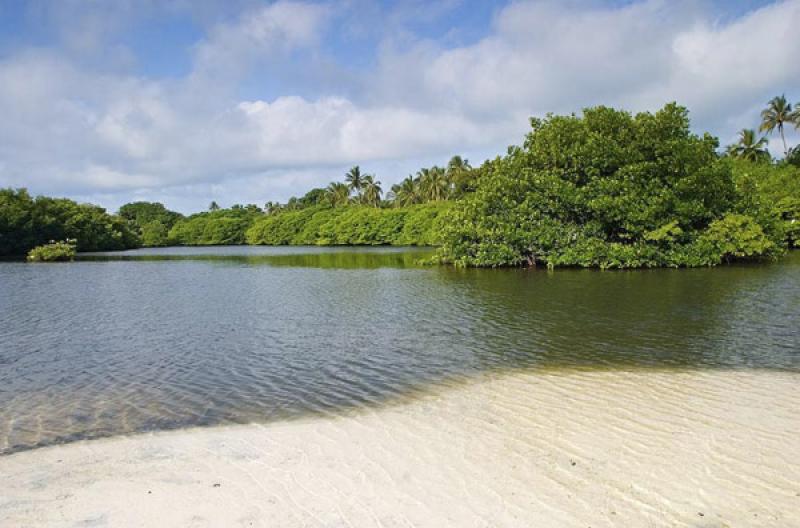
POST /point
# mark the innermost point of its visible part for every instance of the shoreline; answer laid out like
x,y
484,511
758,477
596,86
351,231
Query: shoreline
x,y
711,448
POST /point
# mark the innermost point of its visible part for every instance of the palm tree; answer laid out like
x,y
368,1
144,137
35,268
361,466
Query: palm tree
x,y
355,179
458,172
214,206
434,184
458,164
794,117
372,191
272,207
778,112
749,148
406,192
337,194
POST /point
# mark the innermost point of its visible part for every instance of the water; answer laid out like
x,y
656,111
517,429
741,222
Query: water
x,y
166,338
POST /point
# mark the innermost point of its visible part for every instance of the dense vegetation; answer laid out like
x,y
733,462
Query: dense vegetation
x,y
351,225
27,222
774,188
605,189
54,252
151,221
352,212
215,227
612,190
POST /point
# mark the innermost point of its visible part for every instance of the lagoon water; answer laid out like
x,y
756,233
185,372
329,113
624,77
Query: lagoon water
x,y
158,339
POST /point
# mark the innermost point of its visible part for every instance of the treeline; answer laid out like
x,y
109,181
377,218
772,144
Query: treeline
x,y
27,222
775,117
349,212
417,225
604,189
611,190
216,227
353,224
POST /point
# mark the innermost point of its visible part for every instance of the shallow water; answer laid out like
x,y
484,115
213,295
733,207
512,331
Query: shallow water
x,y
166,338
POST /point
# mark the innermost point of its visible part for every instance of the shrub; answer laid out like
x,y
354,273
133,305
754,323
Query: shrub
x,y
609,190
219,227
27,222
54,251
350,225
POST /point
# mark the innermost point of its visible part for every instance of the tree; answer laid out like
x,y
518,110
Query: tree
x,y
609,190
794,117
406,192
27,222
154,234
213,206
749,148
313,197
459,172
337,194
151,220
434,184
272,207
371,191
793,158
778,112
355,180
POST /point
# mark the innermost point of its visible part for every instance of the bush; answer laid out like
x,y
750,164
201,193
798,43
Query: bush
x,y
609,190
416,225
27,222
54,252
220,227
773,192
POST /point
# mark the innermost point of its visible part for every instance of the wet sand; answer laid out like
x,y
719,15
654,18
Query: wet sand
x,y
650,449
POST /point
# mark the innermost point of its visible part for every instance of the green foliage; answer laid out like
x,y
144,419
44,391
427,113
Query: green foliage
x,y
351,225
436,184
53,252
154,234
771,192
141,213
151,220
777,113
218,227
750,147
793,158
608,190
27,222
732,237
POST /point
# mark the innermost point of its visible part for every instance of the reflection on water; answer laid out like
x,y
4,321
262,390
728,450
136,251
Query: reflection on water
x,y
158,339
297,256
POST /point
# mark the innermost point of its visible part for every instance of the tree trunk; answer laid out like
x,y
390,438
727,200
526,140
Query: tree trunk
x,y
785,150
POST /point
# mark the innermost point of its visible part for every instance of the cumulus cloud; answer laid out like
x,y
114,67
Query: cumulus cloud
x,y
276,28
85,131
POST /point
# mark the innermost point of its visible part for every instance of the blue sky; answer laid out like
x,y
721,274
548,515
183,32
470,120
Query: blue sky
x,y
244,101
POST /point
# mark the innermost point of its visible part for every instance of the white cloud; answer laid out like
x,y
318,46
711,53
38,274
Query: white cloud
x,y
294,131
275,28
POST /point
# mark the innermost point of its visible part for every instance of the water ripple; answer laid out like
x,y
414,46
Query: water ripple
x,y
116,344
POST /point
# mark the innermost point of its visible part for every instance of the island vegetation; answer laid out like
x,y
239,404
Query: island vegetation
x,y
61,251
604,189
27,222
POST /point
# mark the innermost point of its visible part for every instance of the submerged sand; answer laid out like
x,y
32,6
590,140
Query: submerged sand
x,y
628,449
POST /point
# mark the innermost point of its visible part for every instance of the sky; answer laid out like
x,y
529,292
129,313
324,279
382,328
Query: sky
x,y
245,101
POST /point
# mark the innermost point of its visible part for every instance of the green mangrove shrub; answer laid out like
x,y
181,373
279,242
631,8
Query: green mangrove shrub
x,y
415,225
609,189
27,222
54,251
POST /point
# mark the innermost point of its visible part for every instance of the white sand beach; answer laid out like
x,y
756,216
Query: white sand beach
x,y
599,449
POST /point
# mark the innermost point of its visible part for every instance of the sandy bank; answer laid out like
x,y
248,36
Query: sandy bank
x,y
586,449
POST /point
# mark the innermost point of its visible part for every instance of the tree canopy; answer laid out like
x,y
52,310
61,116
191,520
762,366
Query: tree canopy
x,y
27,222
612,190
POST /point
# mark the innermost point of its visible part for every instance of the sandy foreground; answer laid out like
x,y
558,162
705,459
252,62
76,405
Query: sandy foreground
x,y
649,449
